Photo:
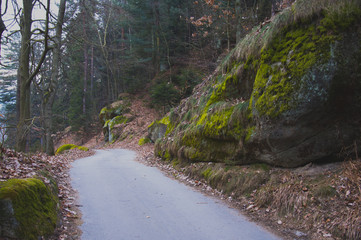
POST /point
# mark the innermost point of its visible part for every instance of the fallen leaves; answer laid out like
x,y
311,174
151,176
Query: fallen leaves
x,y
48,168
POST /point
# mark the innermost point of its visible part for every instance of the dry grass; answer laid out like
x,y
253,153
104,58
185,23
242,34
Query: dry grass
x,y
352,172
309,8
302,10
325,202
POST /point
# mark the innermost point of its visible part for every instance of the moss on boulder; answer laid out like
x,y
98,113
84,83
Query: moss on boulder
x,y
68,147
159,128
143,141
28,209
287,95
113,117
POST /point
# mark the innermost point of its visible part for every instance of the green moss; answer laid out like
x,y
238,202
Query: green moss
x,y
35,206
175,163
207,173
167,156
282,66
150,125
227,87
216,124
106,124
117,120
165,120
143,141
249,131
68,147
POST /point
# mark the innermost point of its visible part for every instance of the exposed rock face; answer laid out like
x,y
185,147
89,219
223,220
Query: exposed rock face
x,y
28,209
287,95
158,129
113,118
8,222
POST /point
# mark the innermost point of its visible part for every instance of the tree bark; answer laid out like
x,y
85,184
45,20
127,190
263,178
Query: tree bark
x,y
54,81
25,78
23,100
156,51
85,77
238,21
85,81
92,76
2,27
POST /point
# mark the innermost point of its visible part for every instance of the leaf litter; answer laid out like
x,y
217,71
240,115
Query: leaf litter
x,y
20,165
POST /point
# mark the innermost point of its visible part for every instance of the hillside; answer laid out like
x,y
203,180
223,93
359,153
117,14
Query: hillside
x,y
287,95
265,129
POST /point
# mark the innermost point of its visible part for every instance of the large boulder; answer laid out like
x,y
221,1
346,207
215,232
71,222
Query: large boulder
x,y
113,118
287,95
158,129
28,209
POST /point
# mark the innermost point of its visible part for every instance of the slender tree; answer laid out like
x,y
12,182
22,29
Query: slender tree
x,y
2,26
25,77
49,96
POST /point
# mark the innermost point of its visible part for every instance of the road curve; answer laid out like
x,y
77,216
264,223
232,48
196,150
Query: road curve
x,y
124,199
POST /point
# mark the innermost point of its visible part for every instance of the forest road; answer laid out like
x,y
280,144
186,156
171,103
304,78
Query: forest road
x,y
121,198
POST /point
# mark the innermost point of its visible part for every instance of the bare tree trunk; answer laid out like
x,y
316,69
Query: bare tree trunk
x,y
2,26
48,113
23,92
156,52
24,76
85,65
228,28
85,77
238,21
92,75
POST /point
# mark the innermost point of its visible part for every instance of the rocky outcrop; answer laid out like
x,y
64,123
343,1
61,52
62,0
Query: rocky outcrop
x,y
158,129
113,118
287,95
28,209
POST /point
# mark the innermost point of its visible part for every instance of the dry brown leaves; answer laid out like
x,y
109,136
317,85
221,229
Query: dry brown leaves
x,y
19,165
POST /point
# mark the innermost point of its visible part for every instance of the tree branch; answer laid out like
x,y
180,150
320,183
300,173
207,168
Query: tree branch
x,y
46,48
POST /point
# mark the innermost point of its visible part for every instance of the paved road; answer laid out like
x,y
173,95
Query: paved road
x,y
124,199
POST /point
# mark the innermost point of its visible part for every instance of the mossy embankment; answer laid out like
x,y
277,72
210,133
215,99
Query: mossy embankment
x,y
287,94
28,209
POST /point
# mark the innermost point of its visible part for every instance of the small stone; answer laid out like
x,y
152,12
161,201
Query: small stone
x,y
300,234
279,222
250,206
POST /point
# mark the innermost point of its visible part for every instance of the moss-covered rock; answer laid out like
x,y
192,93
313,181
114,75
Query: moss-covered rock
x,y
159,129
65,147
143,141
286,95
112,118
28,209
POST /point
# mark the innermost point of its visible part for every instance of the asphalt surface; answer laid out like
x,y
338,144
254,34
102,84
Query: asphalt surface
x,y
121,198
